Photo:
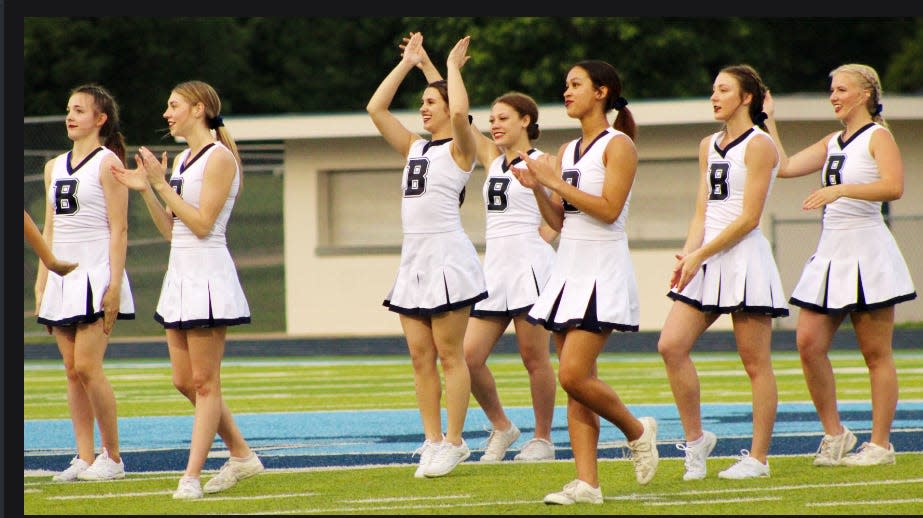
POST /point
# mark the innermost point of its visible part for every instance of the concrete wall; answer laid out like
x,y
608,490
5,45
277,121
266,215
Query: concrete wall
x,y
340,293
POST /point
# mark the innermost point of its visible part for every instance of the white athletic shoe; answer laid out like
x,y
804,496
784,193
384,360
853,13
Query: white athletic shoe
x,y
644,453
445,458
536,449
746,467
103,468
425,451
233,471
77,466
498,442
575,491
870,454
696,467
188,489
833,447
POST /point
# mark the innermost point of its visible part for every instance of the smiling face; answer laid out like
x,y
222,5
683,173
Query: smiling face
x,y
181,115
726,97
434,110
506,125
82,118
847,96
580,95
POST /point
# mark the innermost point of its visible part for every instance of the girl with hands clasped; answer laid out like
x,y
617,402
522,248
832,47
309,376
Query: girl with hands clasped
x,y
592,289
727,267
857,269
201,294
440,275
86,219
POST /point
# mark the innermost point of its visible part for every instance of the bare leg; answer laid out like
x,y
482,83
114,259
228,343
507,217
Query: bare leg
x,y
753,334
427,384
536,357
182,379
683,326
481,336
448,335
814,337
78,402
874,331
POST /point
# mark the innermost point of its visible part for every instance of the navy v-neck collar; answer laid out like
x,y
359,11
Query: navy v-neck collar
x,y
738,140
71,170
842,143
433,143
506,166
188,163
577,155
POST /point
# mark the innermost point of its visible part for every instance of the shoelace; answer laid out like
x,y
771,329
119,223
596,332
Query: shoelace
x,y
826,444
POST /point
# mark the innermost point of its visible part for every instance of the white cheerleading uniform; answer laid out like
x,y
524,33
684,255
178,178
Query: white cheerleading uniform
x,y
517,261
592,284
744,277
857,265
81,235
201,287
440,270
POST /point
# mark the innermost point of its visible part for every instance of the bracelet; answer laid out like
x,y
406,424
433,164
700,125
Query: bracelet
x,y
470,119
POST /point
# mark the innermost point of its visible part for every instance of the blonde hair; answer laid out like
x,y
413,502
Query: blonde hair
x,y
201,92
867,79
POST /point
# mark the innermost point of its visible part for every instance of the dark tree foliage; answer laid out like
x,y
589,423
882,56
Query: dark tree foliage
x,y
298,64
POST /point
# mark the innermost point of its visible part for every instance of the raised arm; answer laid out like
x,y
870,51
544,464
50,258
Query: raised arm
x,y
464,145
806,161
398,136
430,72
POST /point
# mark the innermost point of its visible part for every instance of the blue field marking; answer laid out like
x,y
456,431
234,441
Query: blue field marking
x,y
376,437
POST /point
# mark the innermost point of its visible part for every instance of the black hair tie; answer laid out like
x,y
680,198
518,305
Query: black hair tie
x,y
878,109
216,122
620,102
760,117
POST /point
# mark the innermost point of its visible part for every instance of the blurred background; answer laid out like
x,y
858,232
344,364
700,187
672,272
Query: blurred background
x,y
269,66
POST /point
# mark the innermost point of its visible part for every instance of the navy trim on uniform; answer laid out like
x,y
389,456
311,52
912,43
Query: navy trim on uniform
x,y
577,155
433,143
589,322
510,313
839,138
736,141
72,170
186,164
438,309
201,323
740,308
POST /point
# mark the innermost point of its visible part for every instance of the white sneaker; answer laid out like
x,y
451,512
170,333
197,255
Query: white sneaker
x,y
425,452
833,447
746,467
870,454
188,489
536,449
77,466
696,468
445,458
644,453
498,442
576,491
232,471
103,468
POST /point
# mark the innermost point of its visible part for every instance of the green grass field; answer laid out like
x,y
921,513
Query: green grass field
x,y
143,388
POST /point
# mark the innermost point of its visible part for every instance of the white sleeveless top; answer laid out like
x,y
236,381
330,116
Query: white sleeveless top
x,y
78,197
511,208
431,185
851,162
588,173
727,177
187,180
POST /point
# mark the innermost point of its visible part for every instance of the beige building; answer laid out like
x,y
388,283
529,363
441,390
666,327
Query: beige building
x,y
342,197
